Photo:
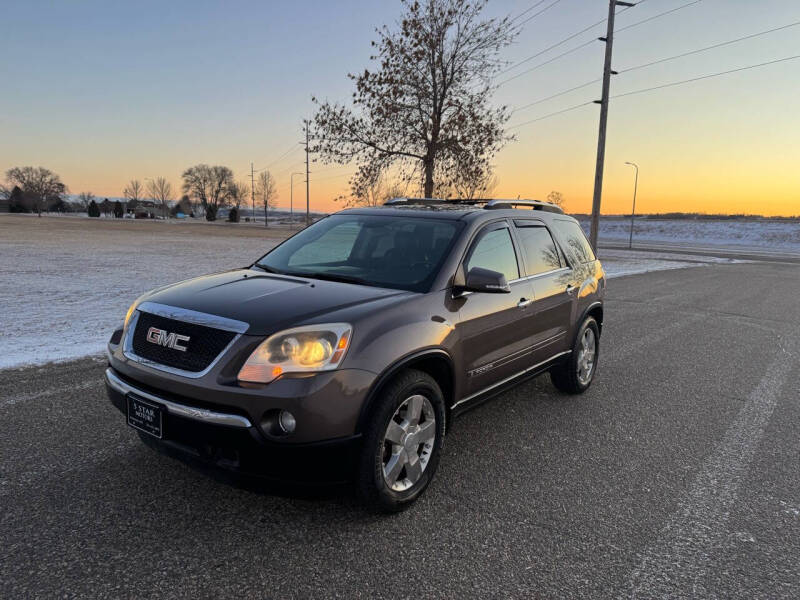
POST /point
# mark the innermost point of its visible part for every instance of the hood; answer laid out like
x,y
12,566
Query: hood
x,y
266,301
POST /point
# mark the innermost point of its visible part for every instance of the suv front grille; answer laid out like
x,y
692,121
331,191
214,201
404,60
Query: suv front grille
x,y
203,346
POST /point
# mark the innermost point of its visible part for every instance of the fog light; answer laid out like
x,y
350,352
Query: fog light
x,y
287,421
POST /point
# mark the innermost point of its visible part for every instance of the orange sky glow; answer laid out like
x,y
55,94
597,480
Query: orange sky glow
x,y
165,94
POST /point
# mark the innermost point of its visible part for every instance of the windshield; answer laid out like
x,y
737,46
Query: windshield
x,y
392,252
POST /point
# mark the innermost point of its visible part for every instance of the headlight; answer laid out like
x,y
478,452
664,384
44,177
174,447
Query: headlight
x,y
303,349
132,309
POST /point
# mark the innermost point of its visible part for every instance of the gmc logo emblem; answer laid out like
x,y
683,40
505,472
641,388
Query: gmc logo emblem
x,y
164,338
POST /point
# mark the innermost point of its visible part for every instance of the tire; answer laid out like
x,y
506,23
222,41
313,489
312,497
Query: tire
x,y
571,376
394,467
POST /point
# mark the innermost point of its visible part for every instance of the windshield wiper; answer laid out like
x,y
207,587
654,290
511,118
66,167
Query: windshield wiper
x,y
332,277
268,269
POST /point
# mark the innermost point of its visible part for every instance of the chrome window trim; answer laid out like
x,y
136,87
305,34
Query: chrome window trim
x,y
190,412
551,272
187,316
510,378
192,316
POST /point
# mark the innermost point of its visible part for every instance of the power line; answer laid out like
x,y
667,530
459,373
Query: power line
x,y
572,89
713,46
658,16
563,41
659,87
281,157
292,166
642,66
709,76
533,16
662,60
551,47
527,10
547,62
552,114
584,44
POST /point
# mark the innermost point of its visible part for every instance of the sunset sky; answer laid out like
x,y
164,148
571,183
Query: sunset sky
x,y
102,92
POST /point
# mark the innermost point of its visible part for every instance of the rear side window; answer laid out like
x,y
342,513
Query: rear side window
x,y
494,250
538,248
577,245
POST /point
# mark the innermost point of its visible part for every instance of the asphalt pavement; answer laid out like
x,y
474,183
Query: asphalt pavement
x,y
676,475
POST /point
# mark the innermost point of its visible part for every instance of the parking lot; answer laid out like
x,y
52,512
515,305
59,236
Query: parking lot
x,y
675,475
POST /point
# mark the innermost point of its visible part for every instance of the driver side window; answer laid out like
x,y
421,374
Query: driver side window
x,y
494,250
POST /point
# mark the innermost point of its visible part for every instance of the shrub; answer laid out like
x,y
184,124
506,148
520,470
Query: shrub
x,y
233,215
118,214
94,210
211,213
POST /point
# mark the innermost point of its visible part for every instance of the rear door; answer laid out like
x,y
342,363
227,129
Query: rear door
x,y
495,344
553,292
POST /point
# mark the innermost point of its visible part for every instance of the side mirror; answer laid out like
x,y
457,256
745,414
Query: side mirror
x,y
486,281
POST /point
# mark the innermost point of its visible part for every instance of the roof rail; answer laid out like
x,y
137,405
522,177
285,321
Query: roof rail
x,y
394,201
488,203
533,204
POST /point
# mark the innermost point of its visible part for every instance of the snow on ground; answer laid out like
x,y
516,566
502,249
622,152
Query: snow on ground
x,y
742,233
63,291
618,263
65,284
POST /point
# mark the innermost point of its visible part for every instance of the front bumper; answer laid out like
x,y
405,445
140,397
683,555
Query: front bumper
x,y
232,441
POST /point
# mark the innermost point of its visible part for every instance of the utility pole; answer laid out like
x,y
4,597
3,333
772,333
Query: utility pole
x,y
253,191
308,213
601,137
633,210
291,197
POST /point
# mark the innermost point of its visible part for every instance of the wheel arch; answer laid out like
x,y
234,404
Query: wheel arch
x,y
594,310
436,362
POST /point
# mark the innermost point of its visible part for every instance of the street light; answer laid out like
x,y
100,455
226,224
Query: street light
x,y
633,210
291,197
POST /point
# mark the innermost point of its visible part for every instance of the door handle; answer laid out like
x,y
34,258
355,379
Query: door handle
x,y
523,302
570,289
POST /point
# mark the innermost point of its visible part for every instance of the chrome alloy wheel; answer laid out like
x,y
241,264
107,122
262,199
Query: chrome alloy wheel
x,y
408,442
586,356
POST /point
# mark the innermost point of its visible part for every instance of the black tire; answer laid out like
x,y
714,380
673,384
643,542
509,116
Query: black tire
x,y
372,487
565,376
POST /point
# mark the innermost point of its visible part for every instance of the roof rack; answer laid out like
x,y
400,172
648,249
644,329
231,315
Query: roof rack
x,y
488,203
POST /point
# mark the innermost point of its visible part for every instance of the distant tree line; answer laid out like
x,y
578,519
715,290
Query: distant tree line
x,y
206,190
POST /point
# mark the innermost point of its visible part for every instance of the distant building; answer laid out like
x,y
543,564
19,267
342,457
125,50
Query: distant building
x,y
142,209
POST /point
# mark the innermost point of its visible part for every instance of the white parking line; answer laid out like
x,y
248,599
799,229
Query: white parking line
x,y
676,564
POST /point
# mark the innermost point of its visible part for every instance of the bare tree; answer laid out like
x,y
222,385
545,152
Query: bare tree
x,y
160,190
38,183
367,190
474,183
427,104
556,198
133,192
373,190
210,186
240,192
266,192
84,199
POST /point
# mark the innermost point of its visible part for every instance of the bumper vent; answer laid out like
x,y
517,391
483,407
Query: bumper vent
x,y
202,347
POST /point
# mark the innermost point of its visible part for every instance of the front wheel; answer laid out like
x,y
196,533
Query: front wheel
x,y
575,375
402,442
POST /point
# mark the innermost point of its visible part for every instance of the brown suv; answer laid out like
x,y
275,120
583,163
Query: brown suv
x,y
343,352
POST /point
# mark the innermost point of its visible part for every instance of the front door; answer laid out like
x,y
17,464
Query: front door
x,y
495,345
